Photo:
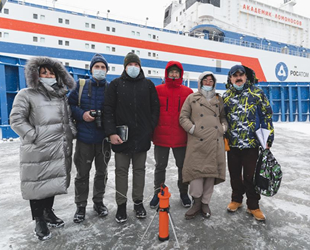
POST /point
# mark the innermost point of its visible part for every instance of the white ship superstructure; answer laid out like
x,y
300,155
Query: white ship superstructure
x,y
247,17
32,30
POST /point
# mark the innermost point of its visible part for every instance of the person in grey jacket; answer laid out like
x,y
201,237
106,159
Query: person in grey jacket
x,y
41,117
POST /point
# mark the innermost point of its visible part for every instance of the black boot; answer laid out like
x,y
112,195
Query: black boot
x,y
79,215
185,200
121,214
101,209
51,219
41,231
140,210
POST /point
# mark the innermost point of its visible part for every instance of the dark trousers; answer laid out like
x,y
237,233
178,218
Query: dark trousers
x,y
161,158
241,166
37,206
122,163
83,159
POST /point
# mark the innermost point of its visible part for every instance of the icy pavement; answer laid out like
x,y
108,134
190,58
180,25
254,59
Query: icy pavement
x,y
287,225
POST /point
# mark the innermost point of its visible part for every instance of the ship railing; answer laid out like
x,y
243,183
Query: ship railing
x,y
286,49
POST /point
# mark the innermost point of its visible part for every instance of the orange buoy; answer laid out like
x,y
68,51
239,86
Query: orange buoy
x,y
163,196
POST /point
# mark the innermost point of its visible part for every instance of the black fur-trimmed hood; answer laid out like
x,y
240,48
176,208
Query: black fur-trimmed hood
x,y
32,72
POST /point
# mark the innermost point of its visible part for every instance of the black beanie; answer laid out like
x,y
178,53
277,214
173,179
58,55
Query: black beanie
x,y
131,57
98,58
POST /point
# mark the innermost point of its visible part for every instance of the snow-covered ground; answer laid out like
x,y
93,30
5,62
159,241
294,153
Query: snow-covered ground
x,y
287,225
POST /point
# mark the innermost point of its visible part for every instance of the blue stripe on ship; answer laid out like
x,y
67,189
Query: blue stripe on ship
x,y
31,50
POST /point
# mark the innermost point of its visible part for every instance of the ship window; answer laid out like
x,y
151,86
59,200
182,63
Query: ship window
x,y
154,72
133,33
93,46
150,36
93,26
86,46
154,54
113,29
42,40
133,51
154,37
86,25
167,14
215,3
35,16
189,3
67,21
113,49
67,43
138,33
59,42
149,54
42,17
5,35
108,28
113,68
176,18
67,64
60,20
86,66
138,52
6,11
149,72
108,48
0,34
35,39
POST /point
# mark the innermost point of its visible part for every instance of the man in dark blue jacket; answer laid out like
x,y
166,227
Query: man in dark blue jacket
x,y
86,103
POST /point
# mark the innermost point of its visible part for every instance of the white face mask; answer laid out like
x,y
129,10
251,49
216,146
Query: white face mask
x,y
48,81
207,88
99,74
238,87
133,71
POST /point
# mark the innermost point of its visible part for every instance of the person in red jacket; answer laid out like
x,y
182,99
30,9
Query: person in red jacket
x,y
168,133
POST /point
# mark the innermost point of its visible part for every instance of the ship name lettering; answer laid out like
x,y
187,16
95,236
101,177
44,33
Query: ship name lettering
x,y
271,15
299,73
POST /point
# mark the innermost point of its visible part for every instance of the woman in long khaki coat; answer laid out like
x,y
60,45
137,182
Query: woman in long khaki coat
x,y
203,117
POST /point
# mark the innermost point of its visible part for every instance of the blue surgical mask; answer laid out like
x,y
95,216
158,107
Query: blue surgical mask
x,y
48,81
207,88
238,87
99,74
133,71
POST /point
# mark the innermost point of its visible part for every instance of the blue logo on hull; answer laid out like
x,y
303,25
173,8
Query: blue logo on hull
x,y
281,71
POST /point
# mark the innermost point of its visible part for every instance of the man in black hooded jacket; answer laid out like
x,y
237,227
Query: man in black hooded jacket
x,y
131,100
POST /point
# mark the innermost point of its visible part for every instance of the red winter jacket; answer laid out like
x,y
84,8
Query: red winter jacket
x,y
172,95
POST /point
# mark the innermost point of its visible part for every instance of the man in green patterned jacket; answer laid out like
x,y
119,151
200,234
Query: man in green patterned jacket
x,y
247,109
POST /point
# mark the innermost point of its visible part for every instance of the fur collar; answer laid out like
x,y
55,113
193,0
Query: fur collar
x,y
32,72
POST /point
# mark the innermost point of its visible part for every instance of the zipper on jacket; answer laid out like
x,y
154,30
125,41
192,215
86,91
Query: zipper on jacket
x,y
179,104
167,104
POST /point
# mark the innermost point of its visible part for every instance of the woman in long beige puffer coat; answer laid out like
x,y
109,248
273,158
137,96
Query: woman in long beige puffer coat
x,y
41,117
203,117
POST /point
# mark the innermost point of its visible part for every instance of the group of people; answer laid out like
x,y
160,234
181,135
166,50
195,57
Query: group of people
x,y
55,109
